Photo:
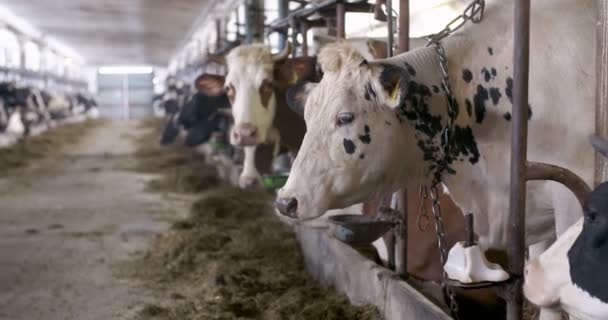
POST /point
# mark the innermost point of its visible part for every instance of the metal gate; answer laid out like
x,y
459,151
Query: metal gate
x,y
125,96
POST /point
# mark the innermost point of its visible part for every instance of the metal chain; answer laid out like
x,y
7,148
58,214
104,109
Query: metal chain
x,y
474,13
443,252
423,217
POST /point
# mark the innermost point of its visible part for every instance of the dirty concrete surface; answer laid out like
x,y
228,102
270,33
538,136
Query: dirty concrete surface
x,y
68,221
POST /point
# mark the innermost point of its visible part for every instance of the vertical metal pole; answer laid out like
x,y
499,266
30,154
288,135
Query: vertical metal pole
x,y
254,20
283,12
601,92
404,40
293,24
390,26
218,34
519,143
304,33
340,20
404,26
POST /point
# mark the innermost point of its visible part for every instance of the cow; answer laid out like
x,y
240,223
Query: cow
x,y
200,116
377,126
256,84
571,274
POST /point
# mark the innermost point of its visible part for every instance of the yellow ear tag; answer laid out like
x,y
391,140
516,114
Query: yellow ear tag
x,y
294,78
393,94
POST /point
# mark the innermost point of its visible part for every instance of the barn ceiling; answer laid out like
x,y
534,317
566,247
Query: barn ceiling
x,y
114,31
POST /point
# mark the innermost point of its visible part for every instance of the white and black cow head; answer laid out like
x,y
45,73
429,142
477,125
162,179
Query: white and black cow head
x,y
254,77
369,124
249,86
571,274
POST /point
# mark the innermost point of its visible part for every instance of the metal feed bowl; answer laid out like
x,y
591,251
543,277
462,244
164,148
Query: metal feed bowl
x,y
358,229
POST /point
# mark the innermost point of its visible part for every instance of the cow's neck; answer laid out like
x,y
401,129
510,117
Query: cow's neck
x,y
424,111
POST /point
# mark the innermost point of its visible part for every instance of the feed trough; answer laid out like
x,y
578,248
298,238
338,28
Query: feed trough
x,y
358,229
274,181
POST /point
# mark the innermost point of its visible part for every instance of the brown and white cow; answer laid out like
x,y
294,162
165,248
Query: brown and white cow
x,y
256,83
571,274
373,125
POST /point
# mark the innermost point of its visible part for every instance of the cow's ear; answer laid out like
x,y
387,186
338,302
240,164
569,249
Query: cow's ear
x,y
297,95
393,80
291,71
210,84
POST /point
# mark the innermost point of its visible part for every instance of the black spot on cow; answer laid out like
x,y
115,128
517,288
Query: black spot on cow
x,y
387,122
509,89
469,107
435,89
349,146
467,75
464,144
493,71
366,137
370,93
362,156
486,74
491,51
410,69
495,95
479,101
507,116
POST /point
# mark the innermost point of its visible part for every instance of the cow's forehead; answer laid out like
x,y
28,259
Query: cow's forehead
x,y
249,63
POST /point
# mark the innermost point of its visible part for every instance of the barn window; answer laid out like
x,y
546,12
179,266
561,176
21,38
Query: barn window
x,y
10,55
32,56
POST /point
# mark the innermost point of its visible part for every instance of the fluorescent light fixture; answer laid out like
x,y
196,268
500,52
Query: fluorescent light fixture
x,y
125,70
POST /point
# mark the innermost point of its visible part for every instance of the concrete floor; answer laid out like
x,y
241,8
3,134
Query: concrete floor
x,y
66,224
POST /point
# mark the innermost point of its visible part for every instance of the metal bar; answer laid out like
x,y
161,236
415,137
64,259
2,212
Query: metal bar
x,y
543,171
294,36
283,12
469,230
340,20
391,29
601,89
304,33
519,144
404,26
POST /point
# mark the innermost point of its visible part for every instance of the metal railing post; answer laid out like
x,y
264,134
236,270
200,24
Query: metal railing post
x,y
601,92
519,144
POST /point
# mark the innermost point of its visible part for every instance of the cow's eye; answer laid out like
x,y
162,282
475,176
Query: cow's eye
x,y
345,118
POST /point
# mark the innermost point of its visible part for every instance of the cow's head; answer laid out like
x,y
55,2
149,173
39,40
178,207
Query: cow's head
x,y
359,142
571,273
254,77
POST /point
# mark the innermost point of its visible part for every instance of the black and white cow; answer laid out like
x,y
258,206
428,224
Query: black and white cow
x,y
376,126
202,115
571,275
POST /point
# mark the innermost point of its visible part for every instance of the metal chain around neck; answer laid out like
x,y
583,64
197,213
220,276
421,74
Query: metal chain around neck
x,y
474,13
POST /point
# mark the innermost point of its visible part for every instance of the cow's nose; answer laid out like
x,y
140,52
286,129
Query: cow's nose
x,y
287,207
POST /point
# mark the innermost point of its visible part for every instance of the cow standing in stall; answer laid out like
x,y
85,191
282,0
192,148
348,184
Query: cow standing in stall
x,y
377,126
571,274
256,85
201,115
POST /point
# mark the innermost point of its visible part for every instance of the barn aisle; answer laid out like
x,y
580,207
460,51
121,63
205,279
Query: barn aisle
x,y
67,222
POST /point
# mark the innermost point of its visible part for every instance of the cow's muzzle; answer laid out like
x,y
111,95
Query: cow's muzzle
x,y
245,134
287,207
